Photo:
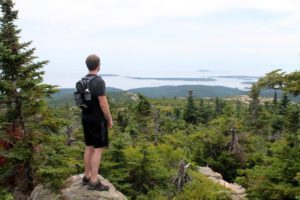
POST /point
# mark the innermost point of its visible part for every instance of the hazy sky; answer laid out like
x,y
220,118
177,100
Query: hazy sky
x,y
162,37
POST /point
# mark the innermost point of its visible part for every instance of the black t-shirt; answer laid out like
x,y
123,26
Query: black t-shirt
x,y
97,88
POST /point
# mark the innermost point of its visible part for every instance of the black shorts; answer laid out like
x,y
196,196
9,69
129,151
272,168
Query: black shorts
x,y
95,133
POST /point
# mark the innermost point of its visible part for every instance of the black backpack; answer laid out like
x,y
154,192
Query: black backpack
x,y
83,96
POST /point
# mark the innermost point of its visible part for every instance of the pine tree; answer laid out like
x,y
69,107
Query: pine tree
x,y
22,94
144,106
145,169
238,107
218,106
114,166
293,116
254,104
282,81
273,80
190,114
292,83
204,112
122,120
177,113
283,104
275,99
284,100
144,115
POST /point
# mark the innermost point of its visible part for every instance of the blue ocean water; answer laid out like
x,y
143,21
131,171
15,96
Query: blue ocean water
x,y
240,80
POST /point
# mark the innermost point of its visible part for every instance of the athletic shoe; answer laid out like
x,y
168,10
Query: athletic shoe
x,y
85,181
98,186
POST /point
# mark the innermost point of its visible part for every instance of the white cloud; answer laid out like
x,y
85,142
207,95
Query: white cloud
x,y
95,14
63,29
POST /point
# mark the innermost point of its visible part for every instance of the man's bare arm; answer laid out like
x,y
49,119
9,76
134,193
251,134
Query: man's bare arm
x,y
105,109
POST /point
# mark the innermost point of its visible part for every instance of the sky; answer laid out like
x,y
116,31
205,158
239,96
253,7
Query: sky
x,y
162,38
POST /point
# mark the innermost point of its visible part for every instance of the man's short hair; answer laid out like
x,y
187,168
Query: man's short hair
x,y
92,62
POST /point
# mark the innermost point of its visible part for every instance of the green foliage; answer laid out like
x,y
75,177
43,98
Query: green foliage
x,y
122,120
273,79
5,195
143,115
114,167
190,114
293,118
145,169
210,148
219,105
21,76
143,107
293,83
156,193
55,161
202,188
275,176
280,80
254,106
25,113
205,112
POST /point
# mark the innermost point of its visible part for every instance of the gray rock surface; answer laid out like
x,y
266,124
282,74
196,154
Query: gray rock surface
x,y
238,192
74,191
41,193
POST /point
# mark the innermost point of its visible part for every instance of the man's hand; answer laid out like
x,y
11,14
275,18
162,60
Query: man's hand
x,y
110,123
105,109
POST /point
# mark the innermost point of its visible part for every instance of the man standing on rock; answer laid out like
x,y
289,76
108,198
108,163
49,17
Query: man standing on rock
x,y
96,119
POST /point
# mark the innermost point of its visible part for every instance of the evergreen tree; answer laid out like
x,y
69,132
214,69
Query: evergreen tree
x,y
293,117
22,94
145,169
275,99
238,107
275,176
254,104
272,80
190,114
280,80
122,120
284,100
292,83
144,114
144,106
283,104
177,113
204,112
218,106
114,165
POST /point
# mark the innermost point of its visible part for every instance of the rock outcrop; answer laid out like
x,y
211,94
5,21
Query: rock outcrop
x,y
238,192
74,191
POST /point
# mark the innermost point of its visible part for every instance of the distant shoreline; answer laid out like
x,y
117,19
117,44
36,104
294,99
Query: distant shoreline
x,y
172,79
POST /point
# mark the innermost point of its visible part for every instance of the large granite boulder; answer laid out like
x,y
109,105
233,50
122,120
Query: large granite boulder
x,y
74,191
238,192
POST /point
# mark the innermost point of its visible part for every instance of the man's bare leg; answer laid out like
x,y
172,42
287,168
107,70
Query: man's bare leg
x,y
95,162
87,160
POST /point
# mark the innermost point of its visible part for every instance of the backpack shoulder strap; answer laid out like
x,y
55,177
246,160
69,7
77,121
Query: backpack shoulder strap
x,y
86,80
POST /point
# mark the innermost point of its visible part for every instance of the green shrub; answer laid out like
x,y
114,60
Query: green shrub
x,y
202,188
